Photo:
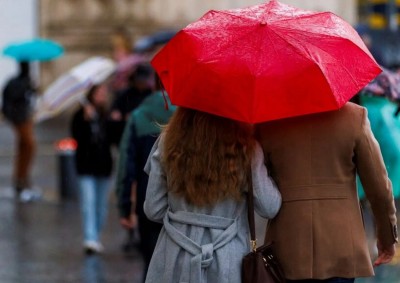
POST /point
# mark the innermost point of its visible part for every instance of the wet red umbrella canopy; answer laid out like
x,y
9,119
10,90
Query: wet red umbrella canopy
x,y
265,62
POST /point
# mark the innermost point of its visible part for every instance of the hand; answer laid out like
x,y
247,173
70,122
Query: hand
x,y
89,112
130,222
385,254
116,115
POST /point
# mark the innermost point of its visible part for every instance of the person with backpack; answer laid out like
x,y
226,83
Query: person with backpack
x,y
17,108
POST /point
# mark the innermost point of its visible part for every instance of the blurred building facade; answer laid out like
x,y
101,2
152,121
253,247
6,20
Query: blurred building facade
x,y
380,14
85,27
379,22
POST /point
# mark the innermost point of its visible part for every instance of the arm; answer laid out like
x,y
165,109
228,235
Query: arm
x,y
267,199
378,189
115,111
128,219
156,203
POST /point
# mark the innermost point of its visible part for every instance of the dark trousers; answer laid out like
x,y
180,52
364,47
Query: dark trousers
x,y
25,151
149,232
331,280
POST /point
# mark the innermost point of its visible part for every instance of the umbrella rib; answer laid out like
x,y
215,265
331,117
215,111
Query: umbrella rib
x,y
330,36
308,57
229,44
256,20
344,68
235,15
306,16
183,87
308,31
291,44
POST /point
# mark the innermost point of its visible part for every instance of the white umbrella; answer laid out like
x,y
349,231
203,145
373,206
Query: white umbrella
x,y
71,87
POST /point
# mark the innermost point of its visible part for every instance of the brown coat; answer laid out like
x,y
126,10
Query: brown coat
x,y
319,230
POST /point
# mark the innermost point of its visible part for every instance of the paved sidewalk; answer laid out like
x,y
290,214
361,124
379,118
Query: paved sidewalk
x,y
41,243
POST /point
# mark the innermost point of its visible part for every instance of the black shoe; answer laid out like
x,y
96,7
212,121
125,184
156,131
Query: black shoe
x,y
132,242
90,251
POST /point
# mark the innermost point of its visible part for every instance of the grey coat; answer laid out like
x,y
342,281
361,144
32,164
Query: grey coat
x,y
203,244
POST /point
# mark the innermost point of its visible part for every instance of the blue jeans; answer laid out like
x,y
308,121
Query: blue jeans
x,y
331,280
94,204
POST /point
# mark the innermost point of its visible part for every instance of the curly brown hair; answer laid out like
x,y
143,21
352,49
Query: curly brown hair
x,y
206,157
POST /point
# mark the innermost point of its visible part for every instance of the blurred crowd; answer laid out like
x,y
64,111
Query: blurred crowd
x,y
125,111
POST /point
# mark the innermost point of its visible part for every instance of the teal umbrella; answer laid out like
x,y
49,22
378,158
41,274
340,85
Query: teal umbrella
x,y
386,129
34,50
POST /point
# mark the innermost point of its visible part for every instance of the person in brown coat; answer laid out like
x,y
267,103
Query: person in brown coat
x,y
319,232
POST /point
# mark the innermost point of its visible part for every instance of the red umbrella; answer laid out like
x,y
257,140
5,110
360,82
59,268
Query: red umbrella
x,y
265,62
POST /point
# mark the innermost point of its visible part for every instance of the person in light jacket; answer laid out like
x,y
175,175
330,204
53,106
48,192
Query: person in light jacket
x,y
199,172
319,233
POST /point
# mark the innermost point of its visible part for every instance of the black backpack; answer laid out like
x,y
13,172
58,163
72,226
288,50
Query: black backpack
x,y
18,96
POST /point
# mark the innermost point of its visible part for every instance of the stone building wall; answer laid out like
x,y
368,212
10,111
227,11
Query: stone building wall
x,y
84,26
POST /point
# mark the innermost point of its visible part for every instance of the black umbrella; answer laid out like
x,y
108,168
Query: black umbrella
x,y
148,42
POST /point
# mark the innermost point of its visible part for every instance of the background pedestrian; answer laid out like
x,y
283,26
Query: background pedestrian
x,y
141,84
17,108
141,132
93,163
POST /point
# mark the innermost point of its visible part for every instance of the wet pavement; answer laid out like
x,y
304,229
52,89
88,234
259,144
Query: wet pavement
x,y
41,242
389,273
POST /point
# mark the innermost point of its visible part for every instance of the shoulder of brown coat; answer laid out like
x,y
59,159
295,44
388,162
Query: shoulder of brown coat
x,y
355,114
354,110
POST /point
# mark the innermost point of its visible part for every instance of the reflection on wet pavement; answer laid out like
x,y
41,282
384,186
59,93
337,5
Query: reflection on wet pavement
x,y
41,243
389,273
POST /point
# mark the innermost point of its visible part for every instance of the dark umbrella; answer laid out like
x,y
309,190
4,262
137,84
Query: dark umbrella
x,y
148,42
386,84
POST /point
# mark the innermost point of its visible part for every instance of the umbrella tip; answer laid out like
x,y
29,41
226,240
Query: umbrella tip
x,y
264,20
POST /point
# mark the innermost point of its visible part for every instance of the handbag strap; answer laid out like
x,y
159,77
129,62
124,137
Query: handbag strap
x,y
250,212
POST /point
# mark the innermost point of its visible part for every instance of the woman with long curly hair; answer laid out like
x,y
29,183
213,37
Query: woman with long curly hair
x,y
199,172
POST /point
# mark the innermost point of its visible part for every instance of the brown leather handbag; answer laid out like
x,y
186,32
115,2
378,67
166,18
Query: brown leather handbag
x,y
261,264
